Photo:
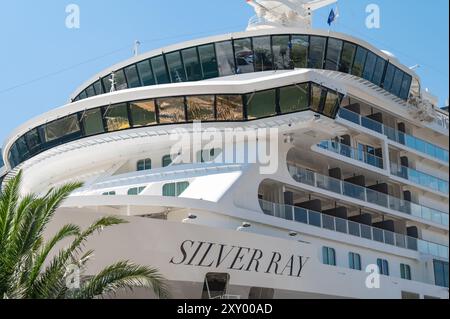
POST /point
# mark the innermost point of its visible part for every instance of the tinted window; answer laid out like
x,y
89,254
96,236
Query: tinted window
x,y
33,140
166,160
106,84
360,59
354,261
116,117
132,76
61,128
143,113
316,52
244,55
406,84
146,73
192,64
90,91
379,70
121,82
159,70
299,51
200,108
331,104
144,164
388,79
92,122
176,69
229,107
260,104
333,54
317,98
294,98
370,66
263,53
98,87
348,54
281,52
397,83
171,110
208,61
225,58
329,256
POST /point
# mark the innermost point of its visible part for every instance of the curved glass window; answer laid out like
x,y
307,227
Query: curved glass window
x,y
171,110
60,128
261,104
263,53
389,77
229,108
369,67
294,98
120,80
92,122
116,117
146,73
379,71
98,88
244,56
397,82
208,61
331,104
132,77
176,69
143,113
299,51
136,190
334,50
358,64
317,98
316,52
192,65
281,52
348,55
225,58
33,140
143,165
166,160
160,70
200,108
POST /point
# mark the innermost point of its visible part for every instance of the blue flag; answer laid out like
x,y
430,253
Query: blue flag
x,y
331,17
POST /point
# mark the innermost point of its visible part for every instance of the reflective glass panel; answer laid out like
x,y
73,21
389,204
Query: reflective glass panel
x,y
244,55
225,58
348,54
176,69
316,52
132,76
263,53
192,64
397,83
208,61
90,91
389,77
92,122
98,87
33,140
261,104
116,117
281,52
331,104
316,98
61,128
379,70
159,70
171,110
369,68
360,59
106,83
294,98
333,54
299,53
406,84
229,108
143,113
121,82
146,73
200,108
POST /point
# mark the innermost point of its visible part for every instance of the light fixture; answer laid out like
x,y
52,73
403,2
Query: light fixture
x,y
190,217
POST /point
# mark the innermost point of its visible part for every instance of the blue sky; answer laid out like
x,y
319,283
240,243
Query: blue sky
x,y
42,61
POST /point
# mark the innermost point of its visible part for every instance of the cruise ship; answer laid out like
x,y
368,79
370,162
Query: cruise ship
x,y
278,162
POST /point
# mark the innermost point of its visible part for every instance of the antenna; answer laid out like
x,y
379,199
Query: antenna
x,y
414,67
137,44
113,82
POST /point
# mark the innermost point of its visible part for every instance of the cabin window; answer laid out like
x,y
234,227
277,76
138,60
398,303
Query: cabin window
x,y
405,271
92,122
243,56
98,87
200,108
136,190
360,60
215,285
171,110
111,193
143,165
333,54
143,113
160,70
116,117
261,293
406,85
354,261
208,61
174,189
294,98
369,67
176,69
329,256
299,51
389,77
281,52
317,98
166,160
192,64
441,273
383,266
205,156
348,54
225,58
397,83
146,73
33,141
316,52
331,104
261,104
90,91
263,53
121,82
132,76
60,128
379,70
229,108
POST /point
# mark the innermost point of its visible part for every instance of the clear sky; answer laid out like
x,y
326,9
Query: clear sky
x,y
42,61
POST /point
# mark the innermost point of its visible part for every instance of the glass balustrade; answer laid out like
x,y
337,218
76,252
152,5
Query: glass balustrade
x,y
345,226
347,189
352,153
420,178
395,135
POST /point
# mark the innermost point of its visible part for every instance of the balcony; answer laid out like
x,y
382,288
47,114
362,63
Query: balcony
x,y
352,153
396,136
420,178
348,227
367,195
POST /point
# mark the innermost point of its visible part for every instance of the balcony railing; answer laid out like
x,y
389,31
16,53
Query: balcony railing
x,y
395,135
345,226
420,178
353,153
347,189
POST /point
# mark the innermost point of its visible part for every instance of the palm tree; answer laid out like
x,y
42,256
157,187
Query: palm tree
x,y
28,272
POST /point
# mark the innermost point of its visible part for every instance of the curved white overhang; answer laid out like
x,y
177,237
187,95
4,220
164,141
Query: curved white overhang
x,y
238,35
